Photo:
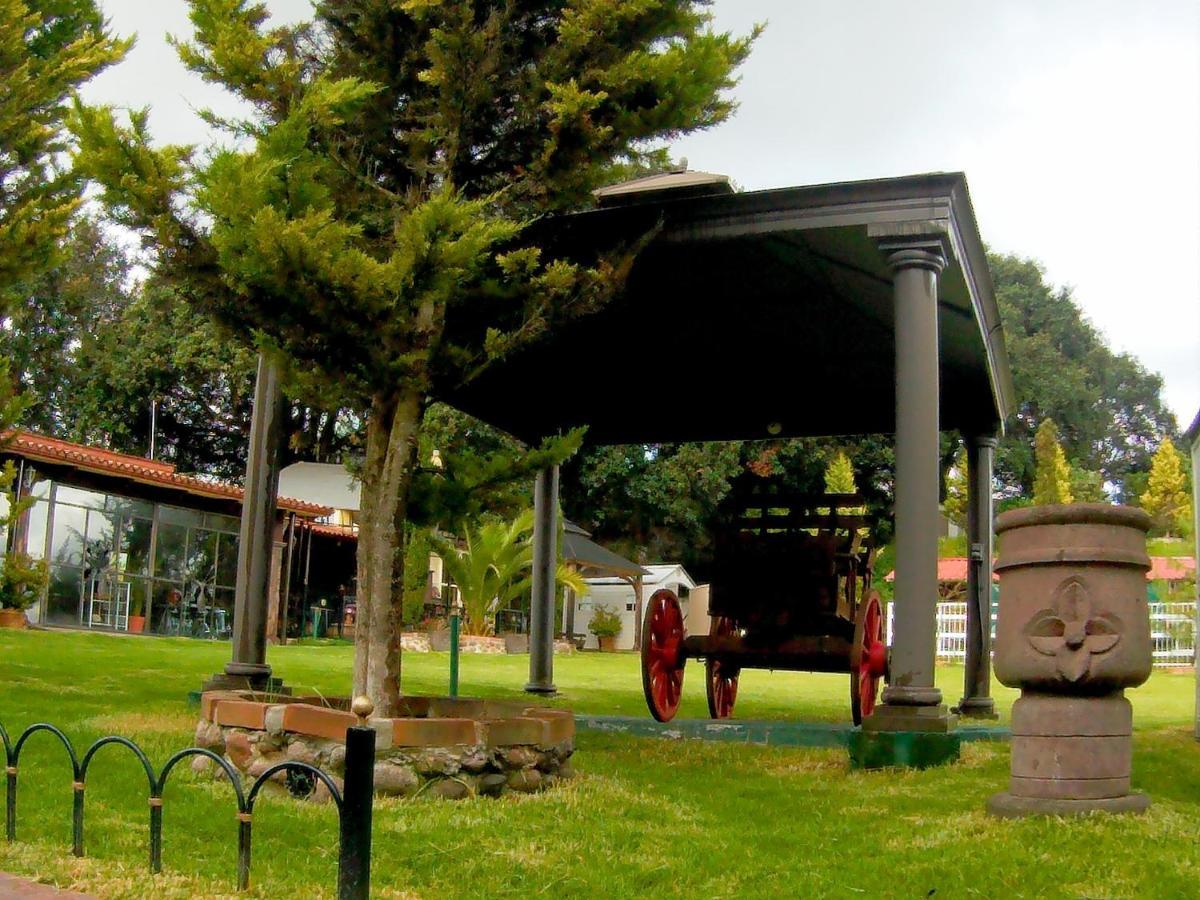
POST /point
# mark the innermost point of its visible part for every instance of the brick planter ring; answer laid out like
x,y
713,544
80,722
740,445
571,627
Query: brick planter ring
x,y
448,747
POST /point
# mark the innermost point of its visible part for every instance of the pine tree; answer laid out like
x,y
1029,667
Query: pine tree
x,y
1166,497
839,475
48,48
1052,483
955,505
369,227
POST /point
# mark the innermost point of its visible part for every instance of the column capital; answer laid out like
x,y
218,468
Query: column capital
x,y
988,441
914,254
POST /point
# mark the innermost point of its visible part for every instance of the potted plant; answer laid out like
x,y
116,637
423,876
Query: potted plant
x,y
21,583
605,625
137,612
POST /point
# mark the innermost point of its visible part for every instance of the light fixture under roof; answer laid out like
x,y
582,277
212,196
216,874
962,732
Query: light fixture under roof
x,y
675,184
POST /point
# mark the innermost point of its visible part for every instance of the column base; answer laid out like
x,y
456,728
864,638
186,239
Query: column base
x,y
546,689
904,717
1008,806
223,681
903,749
977,708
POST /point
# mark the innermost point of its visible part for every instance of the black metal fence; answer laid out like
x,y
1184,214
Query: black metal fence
x,y
353,801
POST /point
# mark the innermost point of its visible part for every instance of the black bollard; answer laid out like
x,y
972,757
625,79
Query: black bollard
x,y
354,864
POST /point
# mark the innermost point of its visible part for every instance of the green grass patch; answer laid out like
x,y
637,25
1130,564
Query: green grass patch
x,y
645,816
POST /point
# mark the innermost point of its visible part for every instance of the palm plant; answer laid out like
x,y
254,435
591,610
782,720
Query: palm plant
x,y
492,566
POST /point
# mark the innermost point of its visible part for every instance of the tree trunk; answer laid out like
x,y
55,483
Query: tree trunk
x,y
387,475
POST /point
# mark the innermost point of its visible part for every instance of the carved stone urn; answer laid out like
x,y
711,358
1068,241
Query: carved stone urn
x,y
1072,632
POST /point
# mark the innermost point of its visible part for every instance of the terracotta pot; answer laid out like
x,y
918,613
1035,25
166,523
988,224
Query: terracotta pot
x,y
13,618
137,624
1072,632
607,644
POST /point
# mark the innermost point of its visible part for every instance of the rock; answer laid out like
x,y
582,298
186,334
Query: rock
x,y
238,749
269,743
478,760
301,751
202,765
450,789
547,762
209,736
321,793
519,757
525,781
565,771
337,757
436,761
260,764
395,781
492,785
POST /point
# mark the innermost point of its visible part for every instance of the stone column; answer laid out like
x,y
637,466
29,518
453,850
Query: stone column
x,y
977,702
911,702
249,668
545,561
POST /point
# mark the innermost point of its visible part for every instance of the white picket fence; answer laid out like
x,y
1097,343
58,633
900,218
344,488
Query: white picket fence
x,y
1172,632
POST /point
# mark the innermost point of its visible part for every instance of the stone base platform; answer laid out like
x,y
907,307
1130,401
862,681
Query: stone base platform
x,y
448,747
903,749
1008,806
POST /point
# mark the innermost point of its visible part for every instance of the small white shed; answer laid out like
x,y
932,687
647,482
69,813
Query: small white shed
x,y
617,594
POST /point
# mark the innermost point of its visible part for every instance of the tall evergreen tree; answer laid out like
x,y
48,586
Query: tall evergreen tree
x,y
1166,497
1052,484
370,229
48,48
839,475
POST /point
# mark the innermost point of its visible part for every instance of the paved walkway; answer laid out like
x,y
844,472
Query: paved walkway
x,y
20,889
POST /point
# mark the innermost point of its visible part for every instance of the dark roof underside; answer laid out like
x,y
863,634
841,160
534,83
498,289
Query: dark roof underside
x,y
753,309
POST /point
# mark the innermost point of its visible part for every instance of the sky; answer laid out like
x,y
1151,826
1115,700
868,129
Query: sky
x,y
1077,123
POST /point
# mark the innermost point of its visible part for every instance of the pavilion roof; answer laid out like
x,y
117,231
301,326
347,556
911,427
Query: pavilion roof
x,y
754,315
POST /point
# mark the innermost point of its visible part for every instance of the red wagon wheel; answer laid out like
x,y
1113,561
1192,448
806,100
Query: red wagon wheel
x,y
868,658
722,678
662,655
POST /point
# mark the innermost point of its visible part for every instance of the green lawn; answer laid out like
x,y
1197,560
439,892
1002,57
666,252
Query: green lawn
x,y
644,816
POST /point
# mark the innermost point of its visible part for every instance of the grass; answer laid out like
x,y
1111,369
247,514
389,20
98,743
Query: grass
x,y
644,816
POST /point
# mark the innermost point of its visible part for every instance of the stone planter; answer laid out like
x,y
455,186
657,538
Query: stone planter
x,y
608,643
1072,632
516,643
13,618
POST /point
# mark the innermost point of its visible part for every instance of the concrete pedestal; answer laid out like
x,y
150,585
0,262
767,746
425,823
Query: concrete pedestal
x,y
1070,755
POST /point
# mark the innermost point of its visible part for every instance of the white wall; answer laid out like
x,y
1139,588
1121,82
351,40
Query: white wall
x,y
619,598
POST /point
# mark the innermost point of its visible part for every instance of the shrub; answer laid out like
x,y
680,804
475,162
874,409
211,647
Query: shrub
x,y
605,622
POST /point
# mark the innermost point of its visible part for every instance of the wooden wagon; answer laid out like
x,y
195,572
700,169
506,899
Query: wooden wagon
x,y
791,590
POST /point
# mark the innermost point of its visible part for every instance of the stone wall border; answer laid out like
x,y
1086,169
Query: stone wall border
x,y
452,747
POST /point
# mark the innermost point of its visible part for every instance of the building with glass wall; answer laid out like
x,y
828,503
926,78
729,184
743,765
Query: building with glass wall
x,y
131,544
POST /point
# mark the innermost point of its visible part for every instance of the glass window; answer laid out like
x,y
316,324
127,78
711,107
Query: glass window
x,y
176,516
135,546
38,486
66,586
200,564
35,535
127,506
99,551
167,607
67,541
79,497
227,554
216,522
169,551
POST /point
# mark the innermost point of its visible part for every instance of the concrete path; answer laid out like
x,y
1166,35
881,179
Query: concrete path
x,y
20,889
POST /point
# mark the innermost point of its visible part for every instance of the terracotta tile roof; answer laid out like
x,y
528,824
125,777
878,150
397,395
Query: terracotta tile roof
x,y
350,532
954,568
105,462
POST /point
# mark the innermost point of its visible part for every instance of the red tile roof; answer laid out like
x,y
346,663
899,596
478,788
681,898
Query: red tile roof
x,y
105,462
954,568
349,532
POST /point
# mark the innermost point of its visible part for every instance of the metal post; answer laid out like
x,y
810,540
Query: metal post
x,y
245,843
455,617
10,804
354,862
155,835
977,701
256,537
911,701
545,560
77,820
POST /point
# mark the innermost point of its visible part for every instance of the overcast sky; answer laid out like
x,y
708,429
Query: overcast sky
x,y
1077,124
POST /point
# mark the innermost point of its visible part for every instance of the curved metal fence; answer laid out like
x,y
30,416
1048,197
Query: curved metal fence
x,y
353,801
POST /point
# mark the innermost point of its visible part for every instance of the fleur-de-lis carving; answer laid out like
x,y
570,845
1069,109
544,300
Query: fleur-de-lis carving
x,y
1070,632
